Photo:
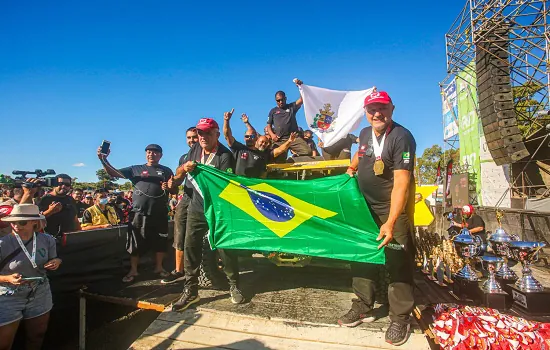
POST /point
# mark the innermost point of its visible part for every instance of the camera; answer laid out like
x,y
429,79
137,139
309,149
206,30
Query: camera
x,y
43,179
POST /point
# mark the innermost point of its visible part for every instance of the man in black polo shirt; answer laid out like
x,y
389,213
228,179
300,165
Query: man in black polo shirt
x,y
149,227
180,217
210,152
341,149
308,138
281,122
252,159
59,208
384,164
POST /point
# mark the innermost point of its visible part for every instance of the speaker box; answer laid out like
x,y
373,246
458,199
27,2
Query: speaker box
x,y
495,96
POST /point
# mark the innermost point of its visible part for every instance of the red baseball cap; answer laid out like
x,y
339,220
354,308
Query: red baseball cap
x,y
207,124
377,97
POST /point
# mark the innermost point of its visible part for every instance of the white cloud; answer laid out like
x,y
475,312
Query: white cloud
x,y
79,164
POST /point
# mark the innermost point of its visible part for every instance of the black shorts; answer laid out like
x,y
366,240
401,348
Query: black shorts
x,y
147,232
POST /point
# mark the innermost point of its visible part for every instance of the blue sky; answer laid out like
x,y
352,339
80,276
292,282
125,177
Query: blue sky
x,y
138,72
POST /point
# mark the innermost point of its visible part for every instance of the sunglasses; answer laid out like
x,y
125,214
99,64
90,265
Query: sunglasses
x,y
64,184
21,223
249,136
280,100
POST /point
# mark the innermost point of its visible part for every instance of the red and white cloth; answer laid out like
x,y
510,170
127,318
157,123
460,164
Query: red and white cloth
x,y
467,327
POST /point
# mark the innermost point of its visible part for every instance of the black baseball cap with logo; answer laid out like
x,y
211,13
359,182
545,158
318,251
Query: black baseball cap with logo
x,y
153,147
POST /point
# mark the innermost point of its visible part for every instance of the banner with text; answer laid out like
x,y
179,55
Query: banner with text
x,y
469,125
450,110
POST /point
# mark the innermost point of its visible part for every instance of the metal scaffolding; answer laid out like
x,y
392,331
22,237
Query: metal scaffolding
x,y
520,27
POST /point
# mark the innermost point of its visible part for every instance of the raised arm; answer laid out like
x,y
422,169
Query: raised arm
x,y
112,171
227,133
284,147
299,101
249,126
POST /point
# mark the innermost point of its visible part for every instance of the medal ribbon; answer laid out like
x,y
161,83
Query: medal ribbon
x,y
31,257
210,156
378,147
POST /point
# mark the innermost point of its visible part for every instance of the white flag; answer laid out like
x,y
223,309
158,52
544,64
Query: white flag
x,y
332,114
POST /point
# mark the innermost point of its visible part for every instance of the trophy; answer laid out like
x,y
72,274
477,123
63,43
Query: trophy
x,y
467,247
491,285
527,292
500,243
492,294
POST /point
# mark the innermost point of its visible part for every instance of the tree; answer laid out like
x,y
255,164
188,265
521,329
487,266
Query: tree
x,y
104,179
526,107
126,186
426,165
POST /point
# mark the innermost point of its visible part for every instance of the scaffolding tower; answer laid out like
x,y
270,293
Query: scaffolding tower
x,y
520,27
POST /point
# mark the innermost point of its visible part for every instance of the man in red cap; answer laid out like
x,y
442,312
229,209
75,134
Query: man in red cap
x,y
473,222
384,164
207,151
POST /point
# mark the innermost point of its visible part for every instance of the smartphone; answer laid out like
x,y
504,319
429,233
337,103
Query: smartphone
x,y
32,278
105,145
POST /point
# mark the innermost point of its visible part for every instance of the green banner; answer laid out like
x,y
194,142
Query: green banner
x,y
469,125
325,217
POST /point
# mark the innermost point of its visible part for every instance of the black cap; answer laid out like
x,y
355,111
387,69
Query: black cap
x,y
154,147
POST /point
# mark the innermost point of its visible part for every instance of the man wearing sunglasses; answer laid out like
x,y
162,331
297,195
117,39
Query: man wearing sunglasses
x,y
252,157
281,123
59,208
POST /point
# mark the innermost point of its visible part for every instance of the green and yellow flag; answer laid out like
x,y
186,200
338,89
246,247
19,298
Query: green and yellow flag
x,y
326,217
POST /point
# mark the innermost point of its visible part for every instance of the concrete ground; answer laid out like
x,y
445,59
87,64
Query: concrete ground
x,y
286,308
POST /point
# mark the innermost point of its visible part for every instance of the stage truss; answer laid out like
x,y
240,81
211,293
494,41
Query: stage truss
x,y
528,45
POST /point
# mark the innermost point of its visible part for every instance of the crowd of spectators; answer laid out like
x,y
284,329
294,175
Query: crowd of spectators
x,y
69,210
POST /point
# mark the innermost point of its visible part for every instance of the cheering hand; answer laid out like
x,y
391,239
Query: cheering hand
x,y
227,115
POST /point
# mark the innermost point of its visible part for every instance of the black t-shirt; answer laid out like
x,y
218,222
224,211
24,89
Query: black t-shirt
x,y
311,145
341,145
250,162
398,154
283,120
63,221
80,207
222,160
187,187
476,221
148,197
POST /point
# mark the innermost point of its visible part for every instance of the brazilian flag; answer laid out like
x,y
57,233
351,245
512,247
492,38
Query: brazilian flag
x,y
326,217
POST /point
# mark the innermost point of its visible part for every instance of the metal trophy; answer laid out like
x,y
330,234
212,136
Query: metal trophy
x,y
526,252
500,243
491,285
468,247
527,292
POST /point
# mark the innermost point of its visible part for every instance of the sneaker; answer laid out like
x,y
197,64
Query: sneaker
x,y
353,318
397,333
236,295
187,299
174,277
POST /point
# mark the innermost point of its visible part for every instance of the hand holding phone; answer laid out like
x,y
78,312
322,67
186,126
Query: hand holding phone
x,y
105,147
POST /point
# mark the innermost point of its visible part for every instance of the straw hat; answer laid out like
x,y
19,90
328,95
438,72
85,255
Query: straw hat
x,y
24,212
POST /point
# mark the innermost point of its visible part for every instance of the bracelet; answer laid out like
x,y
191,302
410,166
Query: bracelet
x,y
352,168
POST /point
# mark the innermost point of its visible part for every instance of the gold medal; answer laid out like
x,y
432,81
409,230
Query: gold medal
x,y
378,167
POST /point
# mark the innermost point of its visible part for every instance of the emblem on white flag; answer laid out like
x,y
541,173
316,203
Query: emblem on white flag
x,y
332,114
